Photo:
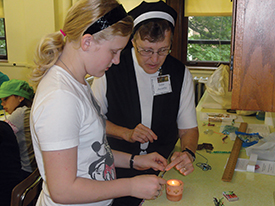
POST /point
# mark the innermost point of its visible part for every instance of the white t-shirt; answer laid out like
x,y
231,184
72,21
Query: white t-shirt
x,y
16,121
62,117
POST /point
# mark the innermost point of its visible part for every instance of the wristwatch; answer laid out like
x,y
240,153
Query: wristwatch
x,y
190,152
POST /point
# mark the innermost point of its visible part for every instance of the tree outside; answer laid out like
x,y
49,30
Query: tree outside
x,y
3,49
203,29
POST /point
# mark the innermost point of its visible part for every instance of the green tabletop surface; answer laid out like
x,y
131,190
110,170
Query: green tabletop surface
x,y
200,187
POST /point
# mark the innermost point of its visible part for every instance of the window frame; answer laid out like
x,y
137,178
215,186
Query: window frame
x,y
180,41
201,63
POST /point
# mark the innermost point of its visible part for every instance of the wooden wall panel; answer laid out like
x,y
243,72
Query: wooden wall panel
x,y
254,56
179,35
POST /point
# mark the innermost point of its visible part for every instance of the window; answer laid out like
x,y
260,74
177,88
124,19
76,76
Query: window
x,y
209,39
3,46
203,32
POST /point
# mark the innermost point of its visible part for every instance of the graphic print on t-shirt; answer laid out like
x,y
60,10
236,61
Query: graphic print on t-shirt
x,y
103,168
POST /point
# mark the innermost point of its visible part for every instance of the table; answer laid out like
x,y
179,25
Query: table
x,y
201,186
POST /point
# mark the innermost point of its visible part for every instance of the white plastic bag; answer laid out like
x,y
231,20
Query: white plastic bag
x,y
217,86
265,148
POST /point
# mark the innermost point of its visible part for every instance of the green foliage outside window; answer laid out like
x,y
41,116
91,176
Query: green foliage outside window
x,y
3,49
205,29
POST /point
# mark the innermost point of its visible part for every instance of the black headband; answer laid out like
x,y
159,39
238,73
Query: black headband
x,y
107,20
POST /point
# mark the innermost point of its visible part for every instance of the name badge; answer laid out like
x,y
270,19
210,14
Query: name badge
x,y
161,84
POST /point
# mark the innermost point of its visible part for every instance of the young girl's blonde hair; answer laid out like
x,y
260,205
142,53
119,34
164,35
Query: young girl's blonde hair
x,y
80,16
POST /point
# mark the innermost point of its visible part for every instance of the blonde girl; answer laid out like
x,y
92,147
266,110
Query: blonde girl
x,y
68,128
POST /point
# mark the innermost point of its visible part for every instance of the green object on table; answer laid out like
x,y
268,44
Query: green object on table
x,y
260,115
225,152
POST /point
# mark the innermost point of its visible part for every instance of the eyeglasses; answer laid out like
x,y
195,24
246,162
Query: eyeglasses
x,y
149,52
5,99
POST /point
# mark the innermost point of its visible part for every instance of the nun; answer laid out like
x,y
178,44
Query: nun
x,y
148,98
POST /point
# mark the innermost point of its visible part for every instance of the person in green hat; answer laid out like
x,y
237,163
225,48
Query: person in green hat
x,y
3,78
15,93
17,96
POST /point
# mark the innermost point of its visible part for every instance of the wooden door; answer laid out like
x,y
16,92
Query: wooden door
x,y
179,36
254,56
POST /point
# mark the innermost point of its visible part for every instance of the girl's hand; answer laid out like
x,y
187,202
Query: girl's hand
x,y
152,160
147,186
